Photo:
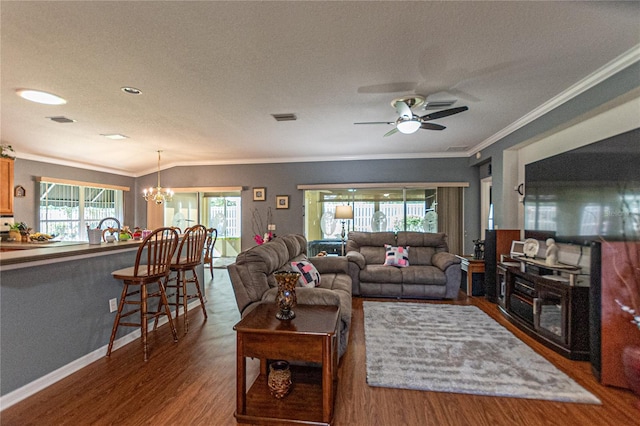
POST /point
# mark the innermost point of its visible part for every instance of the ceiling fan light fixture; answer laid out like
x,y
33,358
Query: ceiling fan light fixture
x,y
408,126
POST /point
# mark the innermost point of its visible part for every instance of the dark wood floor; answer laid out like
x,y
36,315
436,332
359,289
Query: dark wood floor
x,y
192,382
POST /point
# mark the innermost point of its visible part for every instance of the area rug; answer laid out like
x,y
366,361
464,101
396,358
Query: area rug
x,y
450,348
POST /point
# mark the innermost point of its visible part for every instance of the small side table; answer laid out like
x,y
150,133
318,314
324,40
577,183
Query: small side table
x,y
473,266
311,337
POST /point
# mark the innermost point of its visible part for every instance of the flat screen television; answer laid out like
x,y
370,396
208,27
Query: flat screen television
x,y
586,194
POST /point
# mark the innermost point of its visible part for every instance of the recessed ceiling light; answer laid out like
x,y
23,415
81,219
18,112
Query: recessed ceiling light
x,y
131,90
40,97
114,136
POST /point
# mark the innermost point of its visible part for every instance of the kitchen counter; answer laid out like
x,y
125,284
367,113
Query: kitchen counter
x,y
15,255
54,309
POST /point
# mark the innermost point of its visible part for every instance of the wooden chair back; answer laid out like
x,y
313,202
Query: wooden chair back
x,y
212,237
192,245
160,247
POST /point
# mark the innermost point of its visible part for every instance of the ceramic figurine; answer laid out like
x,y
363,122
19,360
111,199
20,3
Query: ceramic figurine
x,y
552,252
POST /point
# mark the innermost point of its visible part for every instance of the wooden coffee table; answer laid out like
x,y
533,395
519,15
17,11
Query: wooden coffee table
x,y
310,337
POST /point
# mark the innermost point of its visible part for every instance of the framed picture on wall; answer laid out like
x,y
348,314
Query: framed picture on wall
x,y
259,194
282,201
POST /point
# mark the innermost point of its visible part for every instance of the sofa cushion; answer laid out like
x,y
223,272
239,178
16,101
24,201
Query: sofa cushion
x,y
331,264
309,275
396,256
424,245
428,275
381,274
370,245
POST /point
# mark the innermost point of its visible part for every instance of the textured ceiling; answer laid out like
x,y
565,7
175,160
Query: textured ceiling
x,y
212,73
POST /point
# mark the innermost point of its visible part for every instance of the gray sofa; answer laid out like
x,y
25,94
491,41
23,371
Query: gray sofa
x,y
254,283
433,272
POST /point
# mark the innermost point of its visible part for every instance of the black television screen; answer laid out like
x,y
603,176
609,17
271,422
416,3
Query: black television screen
x,y
586,194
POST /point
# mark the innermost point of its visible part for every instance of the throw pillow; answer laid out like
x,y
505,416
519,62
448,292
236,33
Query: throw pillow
x,y
309,275
396,256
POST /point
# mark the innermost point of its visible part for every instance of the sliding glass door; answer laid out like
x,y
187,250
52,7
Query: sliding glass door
x,y
216,209
222,211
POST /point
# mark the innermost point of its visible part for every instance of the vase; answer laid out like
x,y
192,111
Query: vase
x,y
631,364
279,380
286,297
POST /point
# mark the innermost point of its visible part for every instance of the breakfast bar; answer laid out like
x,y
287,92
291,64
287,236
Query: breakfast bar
x,y
54,307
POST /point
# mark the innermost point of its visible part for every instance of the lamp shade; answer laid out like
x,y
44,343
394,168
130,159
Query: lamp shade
x,y
344,212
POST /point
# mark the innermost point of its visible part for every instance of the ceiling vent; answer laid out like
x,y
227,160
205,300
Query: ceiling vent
x,y
61,119
284,117
438,104
457,148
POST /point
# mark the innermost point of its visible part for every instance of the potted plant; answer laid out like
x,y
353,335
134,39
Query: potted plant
x,y
19,232
14,232
6,151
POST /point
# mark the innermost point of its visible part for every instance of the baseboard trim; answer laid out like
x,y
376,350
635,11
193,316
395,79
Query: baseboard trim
x,y
47,380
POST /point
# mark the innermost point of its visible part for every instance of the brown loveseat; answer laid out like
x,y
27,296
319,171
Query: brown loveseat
x,y
253,281
433,272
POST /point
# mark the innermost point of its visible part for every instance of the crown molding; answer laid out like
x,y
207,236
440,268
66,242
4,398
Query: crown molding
x,y
623,61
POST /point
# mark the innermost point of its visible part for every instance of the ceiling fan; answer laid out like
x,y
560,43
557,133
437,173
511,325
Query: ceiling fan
x,y
408,122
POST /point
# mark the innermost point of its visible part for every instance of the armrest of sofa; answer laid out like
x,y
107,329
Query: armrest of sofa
x,y
444,259
330,264
357,258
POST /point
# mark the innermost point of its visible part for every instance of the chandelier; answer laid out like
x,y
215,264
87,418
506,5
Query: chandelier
x,y
158,194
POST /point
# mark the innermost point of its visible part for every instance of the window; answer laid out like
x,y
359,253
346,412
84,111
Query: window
x,y
374,209
66,209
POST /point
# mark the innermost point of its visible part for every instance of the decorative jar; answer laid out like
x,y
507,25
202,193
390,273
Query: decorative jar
x,y
279,380
286,297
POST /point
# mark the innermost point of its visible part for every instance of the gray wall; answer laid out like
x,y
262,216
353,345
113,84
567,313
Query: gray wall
x,y
283,178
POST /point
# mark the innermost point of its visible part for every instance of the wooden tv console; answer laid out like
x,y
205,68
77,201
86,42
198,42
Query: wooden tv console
x,y
547,303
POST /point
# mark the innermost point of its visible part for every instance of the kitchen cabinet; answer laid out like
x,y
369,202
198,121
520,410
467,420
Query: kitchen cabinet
x,y
6,186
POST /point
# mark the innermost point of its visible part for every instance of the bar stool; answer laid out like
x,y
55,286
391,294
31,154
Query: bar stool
x,y
189,256
152,266
212,237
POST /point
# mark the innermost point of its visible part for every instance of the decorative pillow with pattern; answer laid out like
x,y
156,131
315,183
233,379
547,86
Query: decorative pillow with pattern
x,y
309,275
396,256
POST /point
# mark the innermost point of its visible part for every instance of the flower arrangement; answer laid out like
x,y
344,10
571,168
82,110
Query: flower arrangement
x,y
258,226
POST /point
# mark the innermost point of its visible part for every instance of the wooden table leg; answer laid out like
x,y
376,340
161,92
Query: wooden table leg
x,y
327,379
241,385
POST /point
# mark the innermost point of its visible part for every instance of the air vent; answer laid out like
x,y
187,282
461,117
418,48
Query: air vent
x,y
457,148
284,117
438,104
61,119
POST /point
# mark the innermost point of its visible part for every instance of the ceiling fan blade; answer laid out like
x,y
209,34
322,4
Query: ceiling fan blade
x,y
376,122
391,132
443,113
403,109
432,126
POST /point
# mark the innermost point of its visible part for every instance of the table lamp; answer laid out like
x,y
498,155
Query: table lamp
x,y
344,213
